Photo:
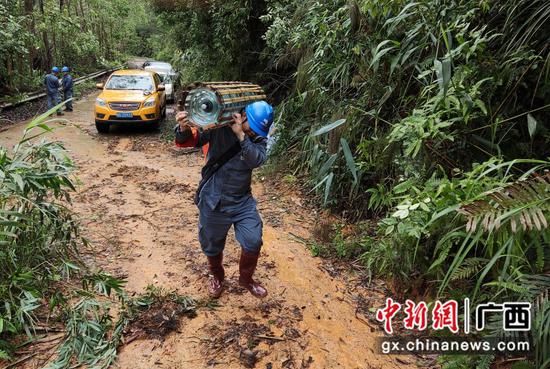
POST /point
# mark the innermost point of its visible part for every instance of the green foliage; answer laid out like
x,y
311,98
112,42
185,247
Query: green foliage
x,y
426,117
466,362
84,35
92,337
37,232
441,100
218,40
421,85
481,234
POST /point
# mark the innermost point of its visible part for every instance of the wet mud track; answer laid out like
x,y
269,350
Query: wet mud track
x,y
135,200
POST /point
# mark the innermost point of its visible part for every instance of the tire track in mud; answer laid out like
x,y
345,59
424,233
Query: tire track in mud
x,y
137,209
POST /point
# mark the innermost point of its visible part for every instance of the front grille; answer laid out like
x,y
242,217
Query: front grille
x,y
122,106
114,117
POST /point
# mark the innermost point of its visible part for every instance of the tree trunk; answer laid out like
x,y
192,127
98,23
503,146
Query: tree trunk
x,y
83,16
47,57
28,7
9,68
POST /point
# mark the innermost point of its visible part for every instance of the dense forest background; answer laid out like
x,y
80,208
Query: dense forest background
x,y
423,124
84,34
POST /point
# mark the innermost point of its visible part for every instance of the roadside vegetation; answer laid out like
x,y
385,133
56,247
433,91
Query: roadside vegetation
x,y
423,123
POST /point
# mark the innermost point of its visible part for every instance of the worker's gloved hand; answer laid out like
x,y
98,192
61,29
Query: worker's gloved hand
x,y
182,129
181,117
237,126
182,120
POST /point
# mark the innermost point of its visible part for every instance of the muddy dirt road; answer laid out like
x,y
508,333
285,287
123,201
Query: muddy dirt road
x,y
135,200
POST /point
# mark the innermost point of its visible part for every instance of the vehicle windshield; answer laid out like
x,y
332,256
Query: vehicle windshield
x,y
129,82
159,64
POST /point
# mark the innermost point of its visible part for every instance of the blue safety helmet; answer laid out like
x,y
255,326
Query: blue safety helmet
x,y
55,69
65,69
260,117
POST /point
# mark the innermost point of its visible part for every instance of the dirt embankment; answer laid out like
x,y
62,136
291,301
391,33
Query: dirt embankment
x,y
136,205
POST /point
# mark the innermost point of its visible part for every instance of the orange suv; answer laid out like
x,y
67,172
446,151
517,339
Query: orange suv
x,y
130,96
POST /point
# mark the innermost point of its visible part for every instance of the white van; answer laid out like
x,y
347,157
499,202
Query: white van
x,y
168,76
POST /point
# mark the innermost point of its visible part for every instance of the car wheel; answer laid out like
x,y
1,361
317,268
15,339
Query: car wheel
x,y
163,115
155,126
102,127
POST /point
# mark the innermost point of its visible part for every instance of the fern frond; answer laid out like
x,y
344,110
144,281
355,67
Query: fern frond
x,y
469,268
518,288
525,202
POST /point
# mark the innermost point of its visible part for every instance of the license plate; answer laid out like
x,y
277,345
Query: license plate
x,y
124,115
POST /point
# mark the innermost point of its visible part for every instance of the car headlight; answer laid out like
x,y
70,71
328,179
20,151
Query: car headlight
x,y
149,103
100,102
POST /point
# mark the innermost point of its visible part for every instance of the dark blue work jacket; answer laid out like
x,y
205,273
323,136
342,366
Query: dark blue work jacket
x,y
52,84
67,82
230,186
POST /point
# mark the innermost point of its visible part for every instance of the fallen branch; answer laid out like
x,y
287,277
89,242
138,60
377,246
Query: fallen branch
x,y
44,339
270,338
48,329
298,238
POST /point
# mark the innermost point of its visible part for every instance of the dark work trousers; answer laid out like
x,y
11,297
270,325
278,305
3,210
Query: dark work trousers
x,y
215,223
66,96
53,100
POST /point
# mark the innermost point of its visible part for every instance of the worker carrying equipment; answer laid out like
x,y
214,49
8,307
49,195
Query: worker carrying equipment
x,y
224,195
212,104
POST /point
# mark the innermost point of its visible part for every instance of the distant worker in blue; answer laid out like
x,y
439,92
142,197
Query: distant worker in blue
x,y
224,196
52,84
67,83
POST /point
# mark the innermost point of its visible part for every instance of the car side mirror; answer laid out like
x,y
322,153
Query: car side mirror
x,y
161,88
99,86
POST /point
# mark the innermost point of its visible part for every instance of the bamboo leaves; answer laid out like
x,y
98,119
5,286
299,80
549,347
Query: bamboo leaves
x,y
329,127
37,232
325,173
531,125
443,70
349,160
380,51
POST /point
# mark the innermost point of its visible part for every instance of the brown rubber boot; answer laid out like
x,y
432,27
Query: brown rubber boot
x,y
215,285
247,266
